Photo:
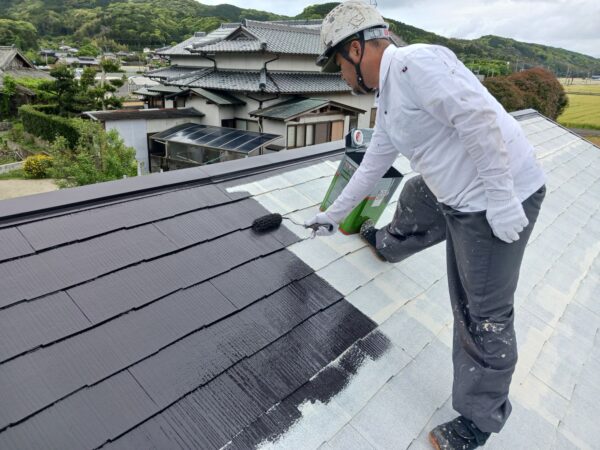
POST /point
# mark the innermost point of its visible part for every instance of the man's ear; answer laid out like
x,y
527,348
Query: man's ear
x,y
355,50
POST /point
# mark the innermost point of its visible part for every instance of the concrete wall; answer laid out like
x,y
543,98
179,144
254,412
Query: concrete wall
x,y
4,168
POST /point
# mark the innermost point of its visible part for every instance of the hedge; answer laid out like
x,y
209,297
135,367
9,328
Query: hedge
x,y
46,109
49,126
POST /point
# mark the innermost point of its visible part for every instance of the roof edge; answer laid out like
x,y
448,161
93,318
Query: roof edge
x,y
23,209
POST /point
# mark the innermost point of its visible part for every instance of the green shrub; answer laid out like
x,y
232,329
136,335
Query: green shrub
x,y
48,126
46,109
98,156
37,166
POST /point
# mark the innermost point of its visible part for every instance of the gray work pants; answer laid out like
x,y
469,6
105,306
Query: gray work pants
x,y
418,223
483,272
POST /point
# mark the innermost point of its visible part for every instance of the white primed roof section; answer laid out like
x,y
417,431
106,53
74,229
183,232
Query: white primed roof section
x,y
393,402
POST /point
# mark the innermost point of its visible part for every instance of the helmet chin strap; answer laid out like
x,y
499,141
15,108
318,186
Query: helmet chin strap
x,y
362,87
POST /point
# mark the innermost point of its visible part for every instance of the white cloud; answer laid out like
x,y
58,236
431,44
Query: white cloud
x,y
570,24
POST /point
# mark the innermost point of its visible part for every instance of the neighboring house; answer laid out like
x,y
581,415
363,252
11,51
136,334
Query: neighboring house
x,y
264,64
81,61
145,313
138,82
13,63
136,126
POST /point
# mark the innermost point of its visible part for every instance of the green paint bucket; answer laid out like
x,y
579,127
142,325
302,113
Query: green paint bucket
x,y
374,204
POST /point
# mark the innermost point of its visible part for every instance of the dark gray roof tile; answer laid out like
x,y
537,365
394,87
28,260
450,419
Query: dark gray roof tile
x,y
117,293
86,419
127,214
258,278
211,415
116,286
49,319
67,266
13,244
195,360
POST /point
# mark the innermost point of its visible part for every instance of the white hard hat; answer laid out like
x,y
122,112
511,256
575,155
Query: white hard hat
x,y
344,21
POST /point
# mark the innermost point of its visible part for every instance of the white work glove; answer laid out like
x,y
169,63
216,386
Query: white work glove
x,y
322,225
506,218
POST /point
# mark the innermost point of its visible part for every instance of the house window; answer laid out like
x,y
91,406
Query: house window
x,y
291,136
300,136
322,132
228,123
179,102
246,125
373,117
353,122
337,130
303,135
310,134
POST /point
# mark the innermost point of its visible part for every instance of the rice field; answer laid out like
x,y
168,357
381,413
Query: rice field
x,y
594,139
584,106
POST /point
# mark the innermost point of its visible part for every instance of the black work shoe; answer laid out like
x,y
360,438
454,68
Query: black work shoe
x,y
459,433
368,232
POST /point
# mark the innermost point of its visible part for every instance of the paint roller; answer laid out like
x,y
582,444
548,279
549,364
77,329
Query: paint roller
x,y
270,222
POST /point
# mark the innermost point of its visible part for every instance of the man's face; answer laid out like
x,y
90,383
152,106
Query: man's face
x,y
347,69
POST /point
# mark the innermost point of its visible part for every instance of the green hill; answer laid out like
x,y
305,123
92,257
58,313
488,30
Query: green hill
x,y
134,24
477,51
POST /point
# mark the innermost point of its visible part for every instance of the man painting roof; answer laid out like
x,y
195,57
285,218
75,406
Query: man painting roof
x,y
480,189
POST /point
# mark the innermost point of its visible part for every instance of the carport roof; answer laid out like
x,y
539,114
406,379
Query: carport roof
x,y
218,138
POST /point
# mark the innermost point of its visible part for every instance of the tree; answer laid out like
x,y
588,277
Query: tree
x,y
88,50
541,91
19,33
65,88
98,156
8,90
505,91
534,88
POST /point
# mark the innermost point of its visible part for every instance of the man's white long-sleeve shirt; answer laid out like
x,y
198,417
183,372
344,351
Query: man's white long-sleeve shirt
x,y
434,111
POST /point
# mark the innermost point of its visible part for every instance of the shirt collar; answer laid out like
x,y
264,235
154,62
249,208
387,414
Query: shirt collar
x,y
384,67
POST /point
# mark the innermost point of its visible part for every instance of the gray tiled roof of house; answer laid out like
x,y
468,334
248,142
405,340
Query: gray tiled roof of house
x,y
291,37
221,98
8,53
166,323
177,72
218,34
297,106
250,81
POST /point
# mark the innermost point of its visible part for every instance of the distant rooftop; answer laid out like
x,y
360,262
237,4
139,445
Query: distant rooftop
x,y
299,37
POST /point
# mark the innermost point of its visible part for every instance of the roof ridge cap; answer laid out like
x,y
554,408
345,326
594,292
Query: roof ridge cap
x,y
280,27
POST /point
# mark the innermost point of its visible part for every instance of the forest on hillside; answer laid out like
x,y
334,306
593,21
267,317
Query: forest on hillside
x,y
135,24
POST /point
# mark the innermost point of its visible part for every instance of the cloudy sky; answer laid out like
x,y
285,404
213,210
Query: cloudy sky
x,y
570,24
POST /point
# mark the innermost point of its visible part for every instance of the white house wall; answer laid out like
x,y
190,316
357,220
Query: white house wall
x,y
158,125
133,133
250,61
213,114
364,102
